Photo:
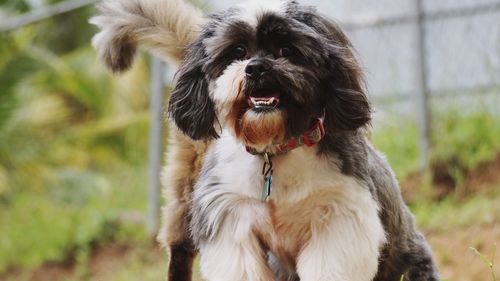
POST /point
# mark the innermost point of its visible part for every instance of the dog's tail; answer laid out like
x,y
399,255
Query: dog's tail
x,y
164,27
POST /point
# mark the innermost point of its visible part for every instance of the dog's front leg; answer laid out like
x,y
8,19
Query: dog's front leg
x,y
344,244
229,230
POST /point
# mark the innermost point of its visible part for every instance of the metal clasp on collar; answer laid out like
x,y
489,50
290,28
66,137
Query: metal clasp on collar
x,y
267,173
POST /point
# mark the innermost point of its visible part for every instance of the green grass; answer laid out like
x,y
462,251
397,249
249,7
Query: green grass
x,y
66,221
489,262
461,141
399,143
454,212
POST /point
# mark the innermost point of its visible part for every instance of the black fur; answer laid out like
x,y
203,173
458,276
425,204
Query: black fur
x,y
120,56
182,256
321,76
190,105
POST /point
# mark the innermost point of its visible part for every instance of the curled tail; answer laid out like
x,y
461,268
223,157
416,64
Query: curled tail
x,y
164,27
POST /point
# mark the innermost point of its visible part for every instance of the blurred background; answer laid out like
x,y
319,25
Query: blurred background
x,y
80,148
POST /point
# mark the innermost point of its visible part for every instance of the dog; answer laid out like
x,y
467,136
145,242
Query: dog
x,y
271,174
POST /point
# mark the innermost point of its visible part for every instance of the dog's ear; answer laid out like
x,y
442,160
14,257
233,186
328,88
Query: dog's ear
x,y
346,104
190,105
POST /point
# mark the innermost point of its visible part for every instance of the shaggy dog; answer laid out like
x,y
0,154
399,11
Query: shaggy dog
x,y
272,177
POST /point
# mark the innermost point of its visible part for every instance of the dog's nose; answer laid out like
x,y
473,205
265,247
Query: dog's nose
x,y
256,68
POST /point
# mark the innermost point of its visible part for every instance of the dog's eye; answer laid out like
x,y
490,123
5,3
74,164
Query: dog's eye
x,y
239,52
286,51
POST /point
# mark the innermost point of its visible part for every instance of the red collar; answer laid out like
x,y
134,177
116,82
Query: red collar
x,y
309,138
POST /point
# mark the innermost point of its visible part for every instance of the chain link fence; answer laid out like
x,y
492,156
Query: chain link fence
x,y
423,57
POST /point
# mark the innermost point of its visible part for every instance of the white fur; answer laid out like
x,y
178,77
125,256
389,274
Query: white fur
x,y
251,10
344,247
165,27
235,254
226,86
347,248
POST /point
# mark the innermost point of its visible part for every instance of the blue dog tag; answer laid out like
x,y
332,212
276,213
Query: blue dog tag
x,y
266,189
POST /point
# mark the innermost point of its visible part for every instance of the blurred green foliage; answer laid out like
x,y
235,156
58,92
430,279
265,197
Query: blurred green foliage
x,y
73,143
398,140
14,6
453,213
461,140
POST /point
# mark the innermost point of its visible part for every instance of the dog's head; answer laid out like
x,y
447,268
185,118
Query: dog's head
x,y
266,70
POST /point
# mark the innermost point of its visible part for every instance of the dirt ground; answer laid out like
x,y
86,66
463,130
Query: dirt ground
x,y
457,262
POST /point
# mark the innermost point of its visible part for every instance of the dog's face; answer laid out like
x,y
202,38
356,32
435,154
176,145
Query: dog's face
x,y
267,72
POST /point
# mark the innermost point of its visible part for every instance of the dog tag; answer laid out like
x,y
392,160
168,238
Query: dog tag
x,y
267,172
266,189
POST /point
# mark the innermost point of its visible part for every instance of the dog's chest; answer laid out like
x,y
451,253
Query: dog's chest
x,y
297,175
308,190
300,173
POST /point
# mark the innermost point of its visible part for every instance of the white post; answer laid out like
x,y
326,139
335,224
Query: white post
x,y
422,90
42,13
155,144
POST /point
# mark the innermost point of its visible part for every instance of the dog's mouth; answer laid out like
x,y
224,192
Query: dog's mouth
x,y
264,101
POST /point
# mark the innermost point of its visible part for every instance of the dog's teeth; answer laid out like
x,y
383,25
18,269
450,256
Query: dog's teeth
x,y
264,101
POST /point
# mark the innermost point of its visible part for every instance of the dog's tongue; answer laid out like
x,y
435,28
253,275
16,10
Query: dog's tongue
x,y
271,101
